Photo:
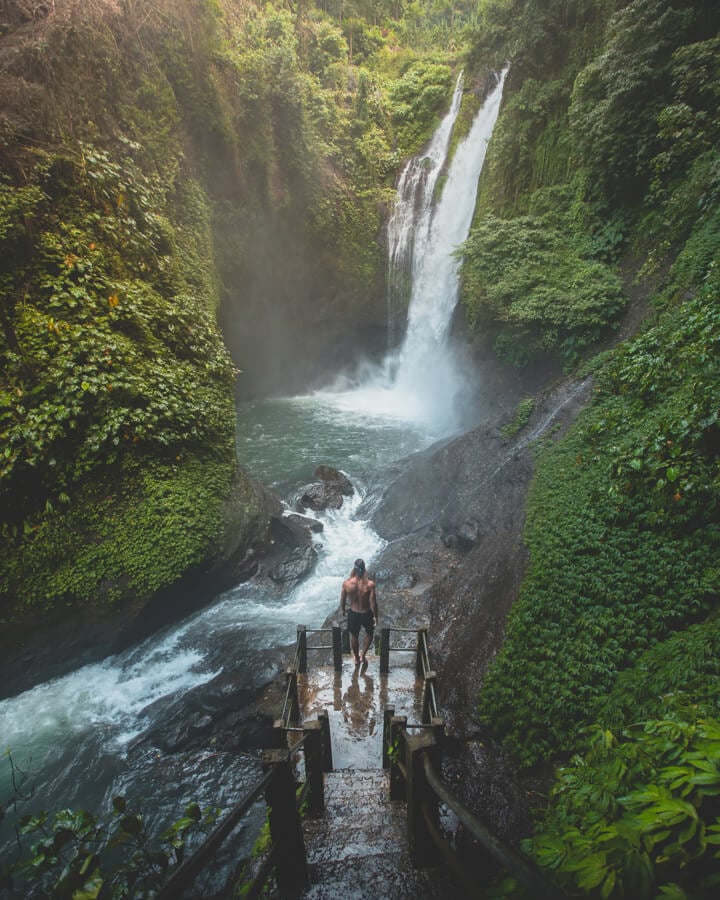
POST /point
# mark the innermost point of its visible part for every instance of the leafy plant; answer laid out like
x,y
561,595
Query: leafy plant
x,y
76,854
637,814
522,417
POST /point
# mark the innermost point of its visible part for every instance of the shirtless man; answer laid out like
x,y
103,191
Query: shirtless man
x,y
359,591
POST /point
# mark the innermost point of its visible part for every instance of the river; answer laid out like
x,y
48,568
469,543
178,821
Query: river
x,y
81,739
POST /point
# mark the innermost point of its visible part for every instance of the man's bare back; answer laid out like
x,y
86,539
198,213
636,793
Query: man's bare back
x,y
359,592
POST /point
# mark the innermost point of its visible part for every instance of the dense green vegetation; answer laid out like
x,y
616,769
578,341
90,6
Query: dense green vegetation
x,y
606,164
636,815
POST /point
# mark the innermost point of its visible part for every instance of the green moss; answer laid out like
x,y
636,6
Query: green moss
x,y
126,533
522,417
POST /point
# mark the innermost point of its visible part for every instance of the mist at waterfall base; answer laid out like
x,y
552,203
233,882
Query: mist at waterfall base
x,y
89,736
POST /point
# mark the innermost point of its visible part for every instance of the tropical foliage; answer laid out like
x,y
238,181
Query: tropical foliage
x,y
74,853
617,619
622,523
637,814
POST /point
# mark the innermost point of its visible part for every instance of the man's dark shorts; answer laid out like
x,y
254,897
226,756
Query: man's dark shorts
x,y
356,620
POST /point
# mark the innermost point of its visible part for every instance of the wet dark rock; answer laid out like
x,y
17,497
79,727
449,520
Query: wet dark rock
x,y
327,492
292,555
319,496
465,538
336,478
287,532
232,712
313,525
298,565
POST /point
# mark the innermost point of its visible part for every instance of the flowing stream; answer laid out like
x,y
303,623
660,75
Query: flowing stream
x,y
78,736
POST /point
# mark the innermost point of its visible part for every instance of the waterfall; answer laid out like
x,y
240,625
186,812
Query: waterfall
x,y
408,229
422,239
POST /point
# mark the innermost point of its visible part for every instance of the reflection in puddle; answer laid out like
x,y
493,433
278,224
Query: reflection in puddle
x,y
355,700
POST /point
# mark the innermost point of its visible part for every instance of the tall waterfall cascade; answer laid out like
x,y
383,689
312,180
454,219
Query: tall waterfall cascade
x,y
422,239
408,229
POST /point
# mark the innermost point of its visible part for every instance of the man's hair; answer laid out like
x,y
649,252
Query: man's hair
x,y
359,567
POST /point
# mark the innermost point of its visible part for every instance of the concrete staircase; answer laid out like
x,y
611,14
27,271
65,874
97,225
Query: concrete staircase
x,y
359,848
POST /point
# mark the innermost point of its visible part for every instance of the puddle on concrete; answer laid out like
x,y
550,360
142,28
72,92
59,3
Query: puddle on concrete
x,y
355,699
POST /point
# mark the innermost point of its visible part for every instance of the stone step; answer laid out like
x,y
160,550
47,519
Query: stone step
x,y
359,848
360,819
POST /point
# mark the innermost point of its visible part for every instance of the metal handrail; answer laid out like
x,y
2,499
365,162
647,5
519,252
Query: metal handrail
x,y
188,871
283,714
518,865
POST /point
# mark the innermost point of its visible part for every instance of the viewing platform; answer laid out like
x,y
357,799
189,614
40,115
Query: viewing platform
x,y
360,846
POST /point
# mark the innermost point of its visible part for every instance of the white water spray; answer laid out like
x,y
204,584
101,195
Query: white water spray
x,y
408,230
426,365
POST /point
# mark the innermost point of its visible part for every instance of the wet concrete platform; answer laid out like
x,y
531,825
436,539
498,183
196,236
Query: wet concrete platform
x,y
359,849
355,700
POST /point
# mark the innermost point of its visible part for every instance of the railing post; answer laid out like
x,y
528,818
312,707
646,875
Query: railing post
x,y
438,730
384,650
337,646
396,752
279,733
422,650
314,768
324,720
285,827
421,802
345,641
427,710
302,648
388,714
294,712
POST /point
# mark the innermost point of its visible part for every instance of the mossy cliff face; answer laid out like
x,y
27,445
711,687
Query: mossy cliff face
x,y
157,159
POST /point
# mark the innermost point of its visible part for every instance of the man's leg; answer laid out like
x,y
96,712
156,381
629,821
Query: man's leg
x,y
366,644
353,626
354,645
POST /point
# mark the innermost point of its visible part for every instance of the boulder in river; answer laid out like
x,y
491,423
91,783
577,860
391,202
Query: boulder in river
x,y
336,478
298,565
328,492
314,525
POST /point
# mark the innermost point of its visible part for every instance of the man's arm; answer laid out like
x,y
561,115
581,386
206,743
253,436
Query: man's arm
x,y
343,598
373,602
